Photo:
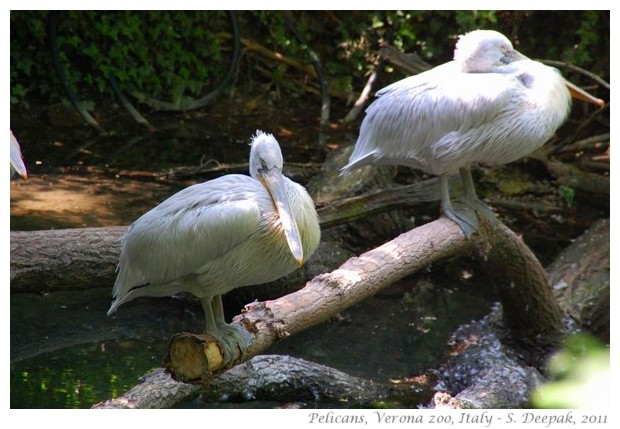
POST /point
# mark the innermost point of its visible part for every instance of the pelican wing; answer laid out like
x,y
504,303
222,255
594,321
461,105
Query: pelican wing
x,y
423,114
198,224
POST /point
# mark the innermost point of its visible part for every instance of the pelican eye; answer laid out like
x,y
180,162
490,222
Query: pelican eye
x,y
264,168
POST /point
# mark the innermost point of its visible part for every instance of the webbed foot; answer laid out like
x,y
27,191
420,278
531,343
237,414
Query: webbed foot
x,y
482,209
464,216
231,338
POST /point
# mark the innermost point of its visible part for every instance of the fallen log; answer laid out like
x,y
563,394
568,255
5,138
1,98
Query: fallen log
x,y
273,378
483,371
82,258
157,390
64,259
580,279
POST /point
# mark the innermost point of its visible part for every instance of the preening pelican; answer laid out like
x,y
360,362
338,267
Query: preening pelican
x,y
17,163
490,105
219,235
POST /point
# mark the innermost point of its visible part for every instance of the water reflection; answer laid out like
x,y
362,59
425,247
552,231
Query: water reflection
x,y
79,376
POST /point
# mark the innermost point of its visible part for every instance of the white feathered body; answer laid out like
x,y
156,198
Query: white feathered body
x,y
445,119
211,238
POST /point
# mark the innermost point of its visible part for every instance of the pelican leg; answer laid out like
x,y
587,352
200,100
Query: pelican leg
x,y
472,200
229,337
209,316
461,214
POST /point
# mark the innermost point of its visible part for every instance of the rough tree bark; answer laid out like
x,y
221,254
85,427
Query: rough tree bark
x,y
580,278
273,378
530,311
42,261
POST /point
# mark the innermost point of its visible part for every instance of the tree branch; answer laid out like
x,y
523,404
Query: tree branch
x,y
530,310
323,297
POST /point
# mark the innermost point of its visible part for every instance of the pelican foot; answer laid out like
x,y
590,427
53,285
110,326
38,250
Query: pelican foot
x,y
464,216
482,210
230,338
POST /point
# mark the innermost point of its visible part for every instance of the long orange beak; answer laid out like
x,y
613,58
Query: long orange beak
x,y
582,95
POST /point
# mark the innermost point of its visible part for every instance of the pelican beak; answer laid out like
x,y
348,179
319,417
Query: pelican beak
x,y
582,95
17,164
574,90
273,180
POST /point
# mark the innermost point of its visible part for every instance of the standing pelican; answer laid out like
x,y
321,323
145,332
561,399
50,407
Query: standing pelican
x,y
216,236
490,105
17,163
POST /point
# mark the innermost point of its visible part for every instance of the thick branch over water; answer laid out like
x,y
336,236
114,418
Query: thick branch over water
x,y
323,297
531,312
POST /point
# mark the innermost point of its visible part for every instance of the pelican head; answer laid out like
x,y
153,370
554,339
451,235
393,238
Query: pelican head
x,y
266,166
265,154
484,51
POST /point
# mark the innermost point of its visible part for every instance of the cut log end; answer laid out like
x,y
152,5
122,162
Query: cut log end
x,y
193,358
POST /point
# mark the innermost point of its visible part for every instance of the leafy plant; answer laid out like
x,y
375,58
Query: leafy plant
x,y
567,194
181,55
581,376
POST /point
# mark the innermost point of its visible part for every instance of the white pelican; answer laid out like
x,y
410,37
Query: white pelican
x,y
215,236
17,163
490,105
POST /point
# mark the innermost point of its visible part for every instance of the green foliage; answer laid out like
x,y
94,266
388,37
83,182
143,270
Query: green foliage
x,y
166,55
163,54
581,376
174,56
29,62
567,194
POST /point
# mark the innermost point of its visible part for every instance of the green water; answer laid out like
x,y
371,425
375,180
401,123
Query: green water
x,y
78,357
80,376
